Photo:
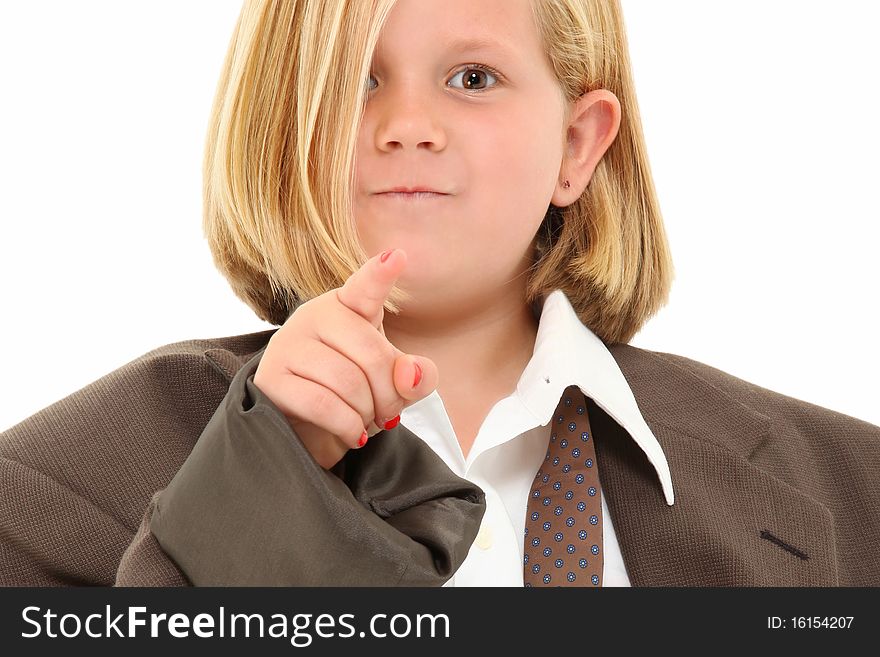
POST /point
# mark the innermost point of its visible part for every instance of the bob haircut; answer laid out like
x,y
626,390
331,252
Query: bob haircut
x,y
280,148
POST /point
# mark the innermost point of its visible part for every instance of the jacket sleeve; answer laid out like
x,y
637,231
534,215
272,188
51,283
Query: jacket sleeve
x,y
53,536
250,506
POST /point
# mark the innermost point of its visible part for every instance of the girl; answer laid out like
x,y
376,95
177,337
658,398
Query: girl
x,y
456,250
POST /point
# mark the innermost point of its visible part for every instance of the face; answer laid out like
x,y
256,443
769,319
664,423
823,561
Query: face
x,y
491,139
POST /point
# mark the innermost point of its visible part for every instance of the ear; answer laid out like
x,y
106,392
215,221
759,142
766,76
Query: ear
x,y
591,129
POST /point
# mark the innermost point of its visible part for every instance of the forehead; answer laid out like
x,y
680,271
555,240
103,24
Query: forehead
x,y
505,27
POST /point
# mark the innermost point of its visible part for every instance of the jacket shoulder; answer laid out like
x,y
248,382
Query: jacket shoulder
x,y
667,368
224,354
770,402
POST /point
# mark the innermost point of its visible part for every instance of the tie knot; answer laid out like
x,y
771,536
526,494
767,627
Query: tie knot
x,y
569,428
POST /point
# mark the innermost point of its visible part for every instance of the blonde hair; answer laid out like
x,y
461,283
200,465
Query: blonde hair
x,y
280,149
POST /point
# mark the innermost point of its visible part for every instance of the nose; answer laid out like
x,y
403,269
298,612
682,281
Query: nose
x,y
407,118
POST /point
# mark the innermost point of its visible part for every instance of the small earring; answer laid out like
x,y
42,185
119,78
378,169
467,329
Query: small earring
x,y
566,184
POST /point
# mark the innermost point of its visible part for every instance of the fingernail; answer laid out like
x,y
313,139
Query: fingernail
x,y
418,376
390,424
363,440
385,255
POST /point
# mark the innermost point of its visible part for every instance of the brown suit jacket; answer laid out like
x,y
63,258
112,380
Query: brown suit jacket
x,y
176,470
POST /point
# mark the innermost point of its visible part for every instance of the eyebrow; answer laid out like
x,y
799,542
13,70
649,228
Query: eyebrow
x,y
479,43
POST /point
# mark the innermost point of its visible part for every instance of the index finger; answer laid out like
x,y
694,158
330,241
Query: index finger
x,y
366,290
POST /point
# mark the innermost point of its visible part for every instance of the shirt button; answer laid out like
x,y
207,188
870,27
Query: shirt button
x,y
484,538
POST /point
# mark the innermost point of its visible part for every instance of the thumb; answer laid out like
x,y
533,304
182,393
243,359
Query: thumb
x,y
415,377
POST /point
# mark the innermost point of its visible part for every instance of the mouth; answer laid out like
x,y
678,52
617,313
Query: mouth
x,y
412,196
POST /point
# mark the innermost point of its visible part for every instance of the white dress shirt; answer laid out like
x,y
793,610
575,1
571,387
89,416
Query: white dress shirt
x,y
513,439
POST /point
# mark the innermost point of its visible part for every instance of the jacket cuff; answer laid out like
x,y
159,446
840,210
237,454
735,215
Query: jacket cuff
x,y
251,507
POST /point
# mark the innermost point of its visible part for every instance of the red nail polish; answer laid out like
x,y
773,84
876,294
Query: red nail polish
x,y
385,255
390,424
418,376
363,440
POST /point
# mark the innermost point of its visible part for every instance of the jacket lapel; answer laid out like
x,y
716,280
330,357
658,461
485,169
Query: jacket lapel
x,y
733,523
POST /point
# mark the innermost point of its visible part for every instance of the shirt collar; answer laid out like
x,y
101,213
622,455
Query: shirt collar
x,y
567,352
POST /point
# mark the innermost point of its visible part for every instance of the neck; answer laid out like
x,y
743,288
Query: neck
x,y
485,345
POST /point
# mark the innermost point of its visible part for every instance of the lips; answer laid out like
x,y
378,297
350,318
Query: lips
x,y
412,196
412,190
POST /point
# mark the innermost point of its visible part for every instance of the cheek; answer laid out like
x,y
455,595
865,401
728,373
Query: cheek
x,y
517,179
519,152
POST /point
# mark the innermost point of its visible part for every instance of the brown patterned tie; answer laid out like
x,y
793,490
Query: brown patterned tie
x,y
563,532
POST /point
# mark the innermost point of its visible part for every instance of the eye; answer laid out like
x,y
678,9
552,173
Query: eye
x,y
470,79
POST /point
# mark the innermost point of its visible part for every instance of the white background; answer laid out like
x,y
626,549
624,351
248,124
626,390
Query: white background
x,y
761,124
